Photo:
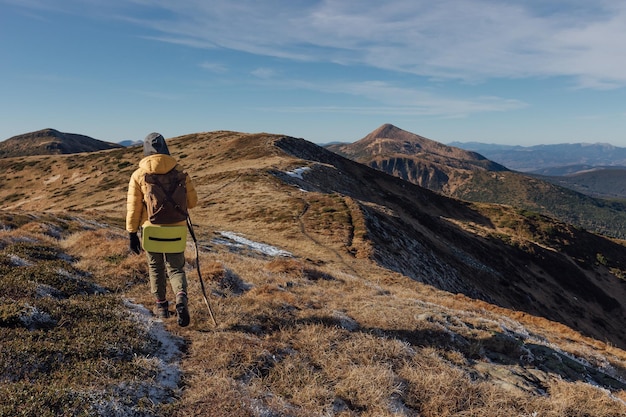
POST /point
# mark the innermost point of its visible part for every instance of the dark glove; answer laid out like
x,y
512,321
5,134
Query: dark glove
x,y
135,245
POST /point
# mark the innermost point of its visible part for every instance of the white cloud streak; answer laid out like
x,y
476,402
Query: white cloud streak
x,y
459,39
397,100
470,40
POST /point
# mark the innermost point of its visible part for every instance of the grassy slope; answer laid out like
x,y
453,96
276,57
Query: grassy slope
x,y
292,339
327,332
70,344
601,216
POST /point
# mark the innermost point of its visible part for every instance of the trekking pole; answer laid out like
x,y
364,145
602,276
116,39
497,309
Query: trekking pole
x,y
206,299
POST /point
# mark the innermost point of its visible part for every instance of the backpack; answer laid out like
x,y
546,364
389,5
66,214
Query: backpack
x,y
166,197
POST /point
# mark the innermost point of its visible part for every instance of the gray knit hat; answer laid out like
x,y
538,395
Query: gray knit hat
x,y
154,143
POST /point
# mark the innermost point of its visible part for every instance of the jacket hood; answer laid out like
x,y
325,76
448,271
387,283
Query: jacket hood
x,y
153,144
157,164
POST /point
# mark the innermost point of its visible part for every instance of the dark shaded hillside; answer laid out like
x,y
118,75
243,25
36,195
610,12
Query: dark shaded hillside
x,y
543,196
505,256
51,142
604,182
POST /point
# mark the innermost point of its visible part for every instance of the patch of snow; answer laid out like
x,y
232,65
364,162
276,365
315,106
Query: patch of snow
x,y
169,353
128,399
44,290
53,230
297,173
32,318
23,239
259,247
17,261
88,224
65,257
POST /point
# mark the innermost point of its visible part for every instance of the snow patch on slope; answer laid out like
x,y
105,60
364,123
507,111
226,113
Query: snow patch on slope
x,y
242,242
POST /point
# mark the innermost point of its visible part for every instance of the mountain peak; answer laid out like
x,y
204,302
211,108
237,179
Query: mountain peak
x,y
389,131
390,143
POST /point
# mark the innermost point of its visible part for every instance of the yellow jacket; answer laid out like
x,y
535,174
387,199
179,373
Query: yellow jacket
x,y
136,212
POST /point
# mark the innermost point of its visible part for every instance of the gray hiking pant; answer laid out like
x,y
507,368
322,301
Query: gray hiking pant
x,y
162,266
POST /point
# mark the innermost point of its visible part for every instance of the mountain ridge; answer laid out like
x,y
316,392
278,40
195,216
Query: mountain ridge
x,y
385,280
470,176
387,147
83,181
532,159
51,142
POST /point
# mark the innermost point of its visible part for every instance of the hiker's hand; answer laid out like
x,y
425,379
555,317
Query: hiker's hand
x,y
135,245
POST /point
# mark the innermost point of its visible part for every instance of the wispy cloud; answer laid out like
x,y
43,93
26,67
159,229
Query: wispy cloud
x,y
264,73
416,98
214,67
461,39
470,40
387,98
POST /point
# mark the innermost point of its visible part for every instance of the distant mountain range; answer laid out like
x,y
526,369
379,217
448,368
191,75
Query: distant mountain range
x,y
130,142
470,176
51,142
559,159
594,169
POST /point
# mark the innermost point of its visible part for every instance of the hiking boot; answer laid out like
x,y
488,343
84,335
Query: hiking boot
x,y
182,311
162,309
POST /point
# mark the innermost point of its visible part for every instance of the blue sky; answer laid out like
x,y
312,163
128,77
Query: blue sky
x,y
513,72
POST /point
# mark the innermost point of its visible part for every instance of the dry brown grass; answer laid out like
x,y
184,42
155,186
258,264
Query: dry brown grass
x,y
297,339
327,331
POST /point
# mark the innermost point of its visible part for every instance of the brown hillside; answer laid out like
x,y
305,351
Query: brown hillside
x,y
342,211
51,142
469,176
386,299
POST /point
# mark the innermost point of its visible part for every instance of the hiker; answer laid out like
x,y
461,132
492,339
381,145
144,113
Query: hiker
x,y
140,213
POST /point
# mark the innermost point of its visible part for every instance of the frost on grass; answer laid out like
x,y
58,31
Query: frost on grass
x,y
17,261
88,287
33,318
138,397
167,357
